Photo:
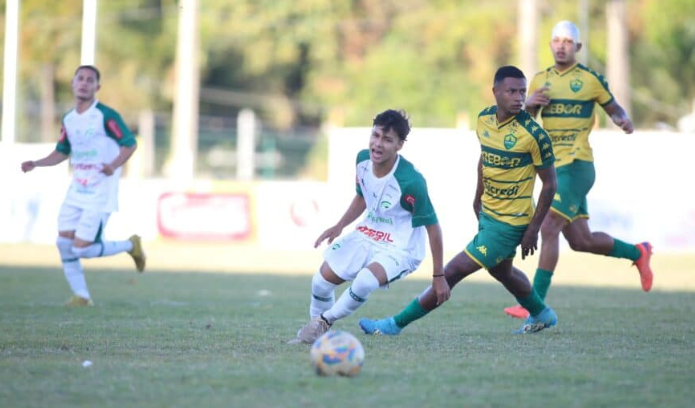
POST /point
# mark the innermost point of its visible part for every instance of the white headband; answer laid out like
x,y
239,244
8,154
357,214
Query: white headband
x,y
566,29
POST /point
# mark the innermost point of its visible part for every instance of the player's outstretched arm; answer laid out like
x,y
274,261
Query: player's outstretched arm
x,y
55,157
356,208
439,283
619,117
123,156
529,242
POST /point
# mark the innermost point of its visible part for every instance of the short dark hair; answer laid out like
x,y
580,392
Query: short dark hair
x,y
90,67
393,119
507,71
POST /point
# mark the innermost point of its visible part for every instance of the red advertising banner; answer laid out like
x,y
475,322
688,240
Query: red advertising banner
x,y
205,216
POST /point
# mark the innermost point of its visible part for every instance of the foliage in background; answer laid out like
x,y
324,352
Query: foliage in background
x,y
296,61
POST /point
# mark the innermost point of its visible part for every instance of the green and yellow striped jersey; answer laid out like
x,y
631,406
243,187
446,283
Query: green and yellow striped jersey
x,y
511,152
569,117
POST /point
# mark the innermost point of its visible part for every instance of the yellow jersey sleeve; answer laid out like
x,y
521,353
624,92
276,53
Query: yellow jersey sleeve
x,y
601,93
537,82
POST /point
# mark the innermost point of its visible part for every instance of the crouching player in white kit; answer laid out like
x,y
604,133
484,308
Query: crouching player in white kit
x,y
389,243
98,143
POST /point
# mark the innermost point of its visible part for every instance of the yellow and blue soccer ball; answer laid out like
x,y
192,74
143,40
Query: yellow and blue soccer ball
x,y
337,353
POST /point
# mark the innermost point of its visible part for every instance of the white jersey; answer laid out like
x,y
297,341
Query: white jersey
x,y
92,138
398,206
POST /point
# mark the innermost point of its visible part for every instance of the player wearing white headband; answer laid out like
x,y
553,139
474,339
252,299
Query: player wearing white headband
x,y
566,94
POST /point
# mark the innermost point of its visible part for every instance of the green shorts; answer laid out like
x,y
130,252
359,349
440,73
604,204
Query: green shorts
x,y
573,184
495,241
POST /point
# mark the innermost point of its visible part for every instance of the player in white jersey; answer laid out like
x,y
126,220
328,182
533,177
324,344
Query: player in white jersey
x,y
98,143
389,242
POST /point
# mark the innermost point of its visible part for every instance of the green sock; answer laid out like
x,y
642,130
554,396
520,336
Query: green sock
x,y
541,282
411,313
624,250
533,303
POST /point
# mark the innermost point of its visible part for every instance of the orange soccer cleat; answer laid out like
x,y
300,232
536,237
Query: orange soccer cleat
x,y
517,311
642,264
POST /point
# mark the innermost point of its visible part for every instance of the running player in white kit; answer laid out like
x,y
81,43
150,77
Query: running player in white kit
x,y
389,243
98,144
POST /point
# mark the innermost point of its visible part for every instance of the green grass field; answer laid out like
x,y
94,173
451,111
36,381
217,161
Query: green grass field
x,y
202,339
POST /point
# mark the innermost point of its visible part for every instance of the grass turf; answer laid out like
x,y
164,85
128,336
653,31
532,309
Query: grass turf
x,y
207,339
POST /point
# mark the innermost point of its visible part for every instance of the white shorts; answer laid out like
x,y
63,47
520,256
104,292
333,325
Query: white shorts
x,y
88,225
350,254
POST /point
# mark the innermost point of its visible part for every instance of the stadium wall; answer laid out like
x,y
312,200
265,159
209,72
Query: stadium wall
x,y
641,192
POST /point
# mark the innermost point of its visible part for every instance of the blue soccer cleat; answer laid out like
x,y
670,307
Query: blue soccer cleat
x,y
533,324
383,326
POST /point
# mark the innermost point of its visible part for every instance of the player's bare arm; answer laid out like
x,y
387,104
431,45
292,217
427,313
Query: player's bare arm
x,y
356,208
536,101
529,242
439,283
619,117
477,201
123,156
55,157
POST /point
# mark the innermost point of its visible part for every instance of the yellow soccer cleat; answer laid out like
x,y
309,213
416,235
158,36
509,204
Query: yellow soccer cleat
x,y
78,301
137,253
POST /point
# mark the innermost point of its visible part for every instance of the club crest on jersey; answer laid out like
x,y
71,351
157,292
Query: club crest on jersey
x,y
410,200
576,85
509,141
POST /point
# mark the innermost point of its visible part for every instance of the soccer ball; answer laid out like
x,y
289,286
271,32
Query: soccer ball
x,y
337,353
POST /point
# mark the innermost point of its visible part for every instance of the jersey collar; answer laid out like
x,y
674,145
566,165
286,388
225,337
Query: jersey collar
x,y
96,101
563,73
505,123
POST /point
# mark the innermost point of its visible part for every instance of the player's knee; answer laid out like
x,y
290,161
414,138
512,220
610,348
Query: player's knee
x,y
91,251
365,283
499,274
321,287
550,230
64,243
579,244
64,247
552,225
79,251
455,270
67,234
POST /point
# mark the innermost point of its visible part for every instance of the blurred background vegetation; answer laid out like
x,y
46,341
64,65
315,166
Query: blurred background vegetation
x,y
300,63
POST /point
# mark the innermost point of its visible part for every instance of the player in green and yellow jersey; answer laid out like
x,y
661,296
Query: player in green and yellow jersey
x,y
566,95
514,149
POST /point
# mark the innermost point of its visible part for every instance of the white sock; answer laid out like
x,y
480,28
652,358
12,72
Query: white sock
x,y
365,283
72,268
106,248
322,295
